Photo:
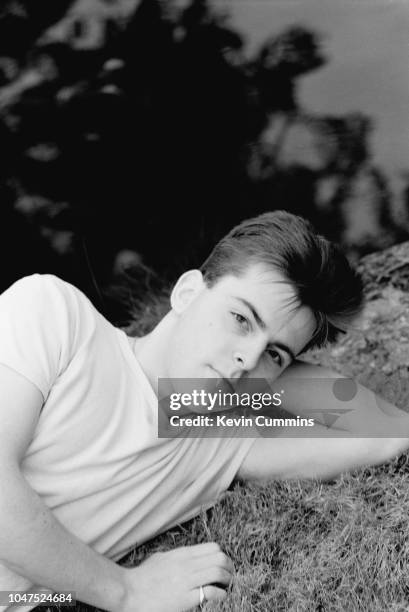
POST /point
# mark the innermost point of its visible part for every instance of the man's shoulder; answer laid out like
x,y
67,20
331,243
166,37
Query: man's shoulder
x,y
50,302
48,285
39,283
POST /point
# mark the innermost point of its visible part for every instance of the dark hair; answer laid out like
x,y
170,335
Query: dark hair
x,y
318,270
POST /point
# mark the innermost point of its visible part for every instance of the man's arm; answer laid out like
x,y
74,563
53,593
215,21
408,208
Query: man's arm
x,y
36,546
32,542
282,457
310,391
366,430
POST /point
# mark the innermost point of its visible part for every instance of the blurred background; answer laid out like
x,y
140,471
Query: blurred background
x,y
135,133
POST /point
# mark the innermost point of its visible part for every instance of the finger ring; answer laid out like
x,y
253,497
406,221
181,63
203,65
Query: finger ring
x,y
202,596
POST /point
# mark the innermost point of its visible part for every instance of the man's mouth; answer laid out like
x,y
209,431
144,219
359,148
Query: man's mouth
x,y
225,380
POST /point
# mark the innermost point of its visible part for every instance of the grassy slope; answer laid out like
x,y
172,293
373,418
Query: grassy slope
x,y
310,546
324,547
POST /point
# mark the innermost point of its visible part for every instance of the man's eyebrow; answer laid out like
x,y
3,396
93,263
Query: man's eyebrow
x,y
286,349
262,325
253,311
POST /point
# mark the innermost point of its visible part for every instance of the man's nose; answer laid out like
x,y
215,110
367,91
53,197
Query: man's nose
x,y
246,359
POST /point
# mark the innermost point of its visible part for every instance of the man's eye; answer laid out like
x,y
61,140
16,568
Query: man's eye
x,y
242,321
275,356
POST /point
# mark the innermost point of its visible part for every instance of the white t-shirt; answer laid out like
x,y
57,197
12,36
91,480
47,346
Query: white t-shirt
x,y
95,458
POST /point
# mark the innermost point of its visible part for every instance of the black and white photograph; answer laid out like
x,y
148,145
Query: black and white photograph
x,y
204,305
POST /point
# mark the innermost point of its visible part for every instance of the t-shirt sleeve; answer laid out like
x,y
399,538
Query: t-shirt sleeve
x,y
38,328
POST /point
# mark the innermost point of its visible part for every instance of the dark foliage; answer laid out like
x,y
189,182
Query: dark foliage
x,y
135,138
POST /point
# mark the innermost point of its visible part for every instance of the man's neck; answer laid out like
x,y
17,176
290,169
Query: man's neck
x,y
151,349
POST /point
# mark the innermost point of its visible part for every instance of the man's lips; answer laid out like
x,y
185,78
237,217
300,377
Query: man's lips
x,y
225,379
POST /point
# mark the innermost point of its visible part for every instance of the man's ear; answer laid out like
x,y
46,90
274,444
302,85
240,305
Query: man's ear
x,y
187,288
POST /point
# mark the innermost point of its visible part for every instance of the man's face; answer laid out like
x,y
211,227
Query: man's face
x,y
247,326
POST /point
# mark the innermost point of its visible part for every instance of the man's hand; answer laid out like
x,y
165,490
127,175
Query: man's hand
x,y
170,581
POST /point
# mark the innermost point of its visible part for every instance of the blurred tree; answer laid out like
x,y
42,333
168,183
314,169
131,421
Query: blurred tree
x,y
136,133
22,22
280,61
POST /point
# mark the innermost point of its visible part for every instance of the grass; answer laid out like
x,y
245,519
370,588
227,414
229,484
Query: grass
x,y
312,546
305,545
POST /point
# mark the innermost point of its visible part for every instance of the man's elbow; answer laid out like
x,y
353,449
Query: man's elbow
x,y
357,453
392,448
374,452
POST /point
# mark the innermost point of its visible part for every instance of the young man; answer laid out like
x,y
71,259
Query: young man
x,y
84,475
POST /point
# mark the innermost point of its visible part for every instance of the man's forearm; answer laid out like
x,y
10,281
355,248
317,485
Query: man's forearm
x,y
35,545
381,427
